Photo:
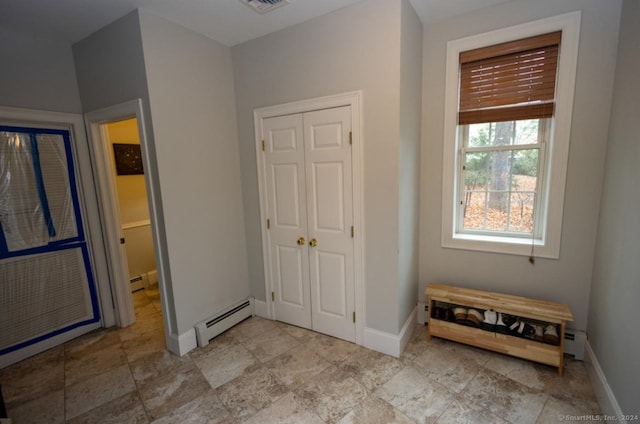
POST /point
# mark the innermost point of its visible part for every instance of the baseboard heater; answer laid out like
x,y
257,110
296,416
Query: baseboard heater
x,y
574,343
221,322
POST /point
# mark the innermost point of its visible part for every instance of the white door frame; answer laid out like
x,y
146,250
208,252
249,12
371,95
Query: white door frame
x,y
354,100
108,205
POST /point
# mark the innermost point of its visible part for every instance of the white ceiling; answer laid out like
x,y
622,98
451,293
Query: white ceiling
x,y
226,21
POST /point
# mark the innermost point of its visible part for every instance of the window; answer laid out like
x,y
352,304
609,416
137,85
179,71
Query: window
x,y
508,111
500,177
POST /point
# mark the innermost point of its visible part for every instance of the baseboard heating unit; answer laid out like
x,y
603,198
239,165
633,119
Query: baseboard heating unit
x,y
574,343
221,322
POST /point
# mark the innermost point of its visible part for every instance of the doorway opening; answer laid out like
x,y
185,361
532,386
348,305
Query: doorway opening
x,y
127,230
127,171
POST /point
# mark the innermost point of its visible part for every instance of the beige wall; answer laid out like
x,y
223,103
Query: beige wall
x,y
613,311
567,279
409,159
37,73
132,200
355,48
190,82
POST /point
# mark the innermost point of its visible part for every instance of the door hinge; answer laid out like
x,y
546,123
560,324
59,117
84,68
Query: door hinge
x,y
352,232
273,296
350,137
263,145
121,240
354,317
268,224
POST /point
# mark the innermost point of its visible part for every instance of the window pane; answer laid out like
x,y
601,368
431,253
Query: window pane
x,y
521,212
500,190
526,132
22,216
480,134
507,133
474,210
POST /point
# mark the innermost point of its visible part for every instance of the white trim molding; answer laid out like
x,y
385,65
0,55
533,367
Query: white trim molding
x,y
183,343
387,343
105,188
260,308
106,193
604,394
31,350
136,224
82,158
548,246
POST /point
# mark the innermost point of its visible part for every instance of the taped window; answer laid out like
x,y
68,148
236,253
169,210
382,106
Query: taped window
x,y
36,202
46,283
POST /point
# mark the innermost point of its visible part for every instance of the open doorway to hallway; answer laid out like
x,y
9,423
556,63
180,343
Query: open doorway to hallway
x,y
127,172
132,202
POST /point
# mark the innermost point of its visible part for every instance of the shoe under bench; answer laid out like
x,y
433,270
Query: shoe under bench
x,y
539,310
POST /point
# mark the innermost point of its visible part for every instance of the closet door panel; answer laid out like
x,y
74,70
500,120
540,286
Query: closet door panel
x,y
287,212
330,209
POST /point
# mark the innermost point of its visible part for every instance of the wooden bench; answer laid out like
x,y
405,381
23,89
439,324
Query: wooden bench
x,y
538,310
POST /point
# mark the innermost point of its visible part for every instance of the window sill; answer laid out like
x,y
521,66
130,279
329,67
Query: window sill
x,y
503,245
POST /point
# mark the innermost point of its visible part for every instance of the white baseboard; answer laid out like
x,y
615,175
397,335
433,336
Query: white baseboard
x,y
260,308
604,394
152,277
381,342
183,343
407,329
390,344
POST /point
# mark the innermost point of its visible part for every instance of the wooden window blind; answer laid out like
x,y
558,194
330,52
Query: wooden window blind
x,y
509,81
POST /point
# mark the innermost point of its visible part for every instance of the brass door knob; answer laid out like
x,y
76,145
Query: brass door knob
x,y
313,242
301,241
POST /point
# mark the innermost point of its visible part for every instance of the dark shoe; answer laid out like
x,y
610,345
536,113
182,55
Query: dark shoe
x,y
448,315
526,330
501,326
512,322
490,320
436,313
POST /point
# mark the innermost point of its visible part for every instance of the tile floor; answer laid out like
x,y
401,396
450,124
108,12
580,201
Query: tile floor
x,y
267,372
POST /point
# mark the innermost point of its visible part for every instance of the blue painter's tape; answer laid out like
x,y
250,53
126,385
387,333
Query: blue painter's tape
x,y
75,198
66,138
42,194
92,294
70,243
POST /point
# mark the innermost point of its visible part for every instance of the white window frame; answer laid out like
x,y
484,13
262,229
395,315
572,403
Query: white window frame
x,y
541,145
547,244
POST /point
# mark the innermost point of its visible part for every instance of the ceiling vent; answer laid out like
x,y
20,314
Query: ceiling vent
x,y
265,6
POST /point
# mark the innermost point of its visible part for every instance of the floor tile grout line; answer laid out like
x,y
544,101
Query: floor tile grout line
x,y
544,395
217,395
135,382
542,409
446,408
481,406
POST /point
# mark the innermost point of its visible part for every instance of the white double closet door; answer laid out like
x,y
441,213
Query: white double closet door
x,y
310,208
